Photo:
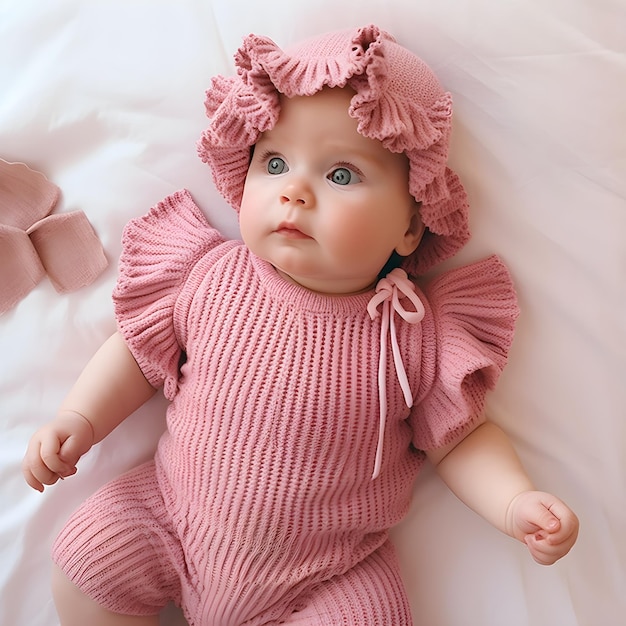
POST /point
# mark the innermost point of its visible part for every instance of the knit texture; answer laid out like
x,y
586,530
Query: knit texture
x,y
265,470
34,243
398,101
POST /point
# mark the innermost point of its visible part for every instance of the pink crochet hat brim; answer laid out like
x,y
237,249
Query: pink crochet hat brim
x,y
398,101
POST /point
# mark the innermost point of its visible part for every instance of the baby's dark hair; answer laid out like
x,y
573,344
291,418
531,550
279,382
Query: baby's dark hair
x,y
395,260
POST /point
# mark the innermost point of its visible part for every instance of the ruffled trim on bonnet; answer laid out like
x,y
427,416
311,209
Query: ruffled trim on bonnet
x,y
398,101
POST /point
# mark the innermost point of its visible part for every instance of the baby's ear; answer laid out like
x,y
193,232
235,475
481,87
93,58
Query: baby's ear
x,y
413,235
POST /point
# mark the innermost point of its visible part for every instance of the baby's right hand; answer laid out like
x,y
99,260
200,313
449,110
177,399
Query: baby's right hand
x,y
55,448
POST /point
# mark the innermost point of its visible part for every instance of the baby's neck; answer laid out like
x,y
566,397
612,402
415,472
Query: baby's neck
x,y
323,289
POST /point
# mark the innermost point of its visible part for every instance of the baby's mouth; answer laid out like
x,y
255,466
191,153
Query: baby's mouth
x,y
291,231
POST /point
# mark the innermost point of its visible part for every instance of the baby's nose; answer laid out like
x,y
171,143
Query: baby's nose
x,y
298,193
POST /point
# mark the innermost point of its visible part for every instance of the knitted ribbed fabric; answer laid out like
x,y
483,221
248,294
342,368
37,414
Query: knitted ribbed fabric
x,y
34,243
265,470
398,101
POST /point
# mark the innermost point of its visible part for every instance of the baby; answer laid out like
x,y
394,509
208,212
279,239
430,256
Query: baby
x,y
310,371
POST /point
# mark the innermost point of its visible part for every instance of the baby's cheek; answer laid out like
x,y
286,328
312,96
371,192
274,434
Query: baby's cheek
x,y
251,229
372,237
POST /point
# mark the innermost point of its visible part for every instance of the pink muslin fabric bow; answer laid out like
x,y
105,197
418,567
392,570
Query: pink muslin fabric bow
x,y
34,243
388,292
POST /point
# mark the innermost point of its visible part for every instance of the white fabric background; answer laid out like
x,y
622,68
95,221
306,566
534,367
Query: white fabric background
x,y
106,98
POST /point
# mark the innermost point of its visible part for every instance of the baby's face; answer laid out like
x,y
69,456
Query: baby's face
x,y
323,204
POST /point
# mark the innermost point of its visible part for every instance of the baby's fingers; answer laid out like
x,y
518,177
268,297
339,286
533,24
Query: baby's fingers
x,y
42,464
52,458
35,471
568,522
540,550
548,547
39,477
545,550
30,478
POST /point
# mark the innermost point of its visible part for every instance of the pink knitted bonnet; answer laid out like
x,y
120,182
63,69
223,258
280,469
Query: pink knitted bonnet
x,y
398,101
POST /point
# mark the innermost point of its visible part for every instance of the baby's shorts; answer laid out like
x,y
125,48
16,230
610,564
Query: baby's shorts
x,y
119,547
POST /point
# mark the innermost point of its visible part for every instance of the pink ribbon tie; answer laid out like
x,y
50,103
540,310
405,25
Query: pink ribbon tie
x,y
389,292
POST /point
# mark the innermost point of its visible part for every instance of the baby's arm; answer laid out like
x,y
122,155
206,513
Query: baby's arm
x,y
484,471
108,390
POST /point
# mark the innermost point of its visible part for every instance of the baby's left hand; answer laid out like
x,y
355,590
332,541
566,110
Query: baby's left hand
x,y
544,523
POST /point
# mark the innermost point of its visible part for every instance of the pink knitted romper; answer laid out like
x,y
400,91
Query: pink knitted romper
x,y
297,425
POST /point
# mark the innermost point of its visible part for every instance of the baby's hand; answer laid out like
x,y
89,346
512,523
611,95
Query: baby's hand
x,y
55,448
545,524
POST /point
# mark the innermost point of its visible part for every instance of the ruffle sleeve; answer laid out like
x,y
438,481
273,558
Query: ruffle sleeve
x,y
474,310
159,250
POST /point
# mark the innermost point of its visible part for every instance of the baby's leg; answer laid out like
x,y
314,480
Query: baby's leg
x,y
370,594
77,609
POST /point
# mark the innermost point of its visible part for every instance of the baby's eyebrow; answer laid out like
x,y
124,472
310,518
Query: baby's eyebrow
x,y
362,156
337,149
267,143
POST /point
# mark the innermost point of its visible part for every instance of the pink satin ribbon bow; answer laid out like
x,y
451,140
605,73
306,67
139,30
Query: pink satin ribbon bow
x,y
34,243
389,291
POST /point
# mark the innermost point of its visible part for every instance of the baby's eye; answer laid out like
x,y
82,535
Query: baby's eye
x,y
276,165
344,176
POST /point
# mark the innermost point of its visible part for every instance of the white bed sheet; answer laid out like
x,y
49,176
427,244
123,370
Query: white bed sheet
x,y
106,98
